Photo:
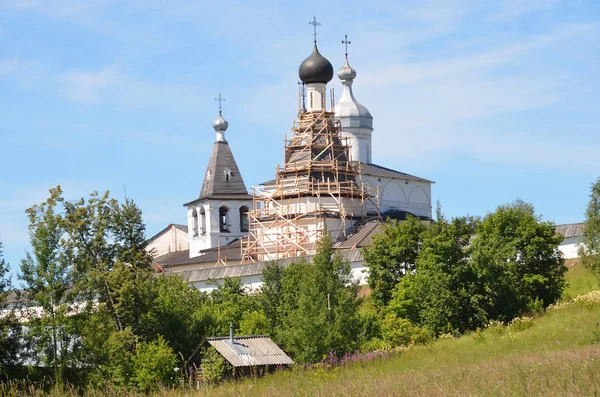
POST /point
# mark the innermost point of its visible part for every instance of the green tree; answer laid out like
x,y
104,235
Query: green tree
x,y
516,256
106,242
445,294
392,255
179,312
153,365
10,329
316,304
48,278
589,250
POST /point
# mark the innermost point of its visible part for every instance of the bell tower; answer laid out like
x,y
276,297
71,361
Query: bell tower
x,y
220,214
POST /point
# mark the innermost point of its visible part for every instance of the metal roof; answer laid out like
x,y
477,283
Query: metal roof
x,y
183,228
570,230
229,252
217,182
253,269
250,351
362,235
378,170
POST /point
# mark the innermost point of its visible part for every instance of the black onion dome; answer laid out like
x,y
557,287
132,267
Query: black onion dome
x,y
315,69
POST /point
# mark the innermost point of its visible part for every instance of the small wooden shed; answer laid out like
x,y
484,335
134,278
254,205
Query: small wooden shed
x,y
251,355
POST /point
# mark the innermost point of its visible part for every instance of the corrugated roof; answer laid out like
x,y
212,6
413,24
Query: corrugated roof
x,y
250,351
570,230
215,181
252,269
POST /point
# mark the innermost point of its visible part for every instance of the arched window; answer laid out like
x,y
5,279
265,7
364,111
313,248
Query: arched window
x,y
228,174
224,219
195,222
243,219
202,221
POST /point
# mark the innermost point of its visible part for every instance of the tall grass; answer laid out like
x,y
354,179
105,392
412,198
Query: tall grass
x,y
579,280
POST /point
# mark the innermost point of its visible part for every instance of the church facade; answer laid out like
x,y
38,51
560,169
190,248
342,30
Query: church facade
x,y
329,182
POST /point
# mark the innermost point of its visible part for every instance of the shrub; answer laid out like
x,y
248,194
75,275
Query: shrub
x,y
154,364
213,365
397,331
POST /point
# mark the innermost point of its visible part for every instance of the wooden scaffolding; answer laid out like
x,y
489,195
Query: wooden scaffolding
x,y
317,187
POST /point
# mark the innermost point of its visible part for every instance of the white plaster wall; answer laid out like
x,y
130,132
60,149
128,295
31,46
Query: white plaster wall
x,y
399,194
569,247
253,283
172,241
213,236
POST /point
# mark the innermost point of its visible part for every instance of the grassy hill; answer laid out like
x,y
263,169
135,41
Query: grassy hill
x,y
557,353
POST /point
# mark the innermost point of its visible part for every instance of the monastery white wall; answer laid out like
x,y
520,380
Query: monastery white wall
x,y
171,241
569,247
407,195
253,283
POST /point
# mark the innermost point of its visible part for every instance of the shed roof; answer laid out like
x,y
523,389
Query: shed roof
x,y
250,351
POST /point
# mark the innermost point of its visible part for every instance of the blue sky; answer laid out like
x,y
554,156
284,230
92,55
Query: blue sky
x,y
492,100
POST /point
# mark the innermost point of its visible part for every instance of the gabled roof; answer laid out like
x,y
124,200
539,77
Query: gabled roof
x,y
231,252
183,228
216,182
381,171
570,230
250,351
375,170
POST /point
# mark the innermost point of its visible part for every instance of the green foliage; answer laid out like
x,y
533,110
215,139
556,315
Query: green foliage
x,y
471,271
153,365
369,321
445,293
229,303
517,258
392,255
10,329
213,365
255,322
48,277
589,250
398,331
315,305
178,313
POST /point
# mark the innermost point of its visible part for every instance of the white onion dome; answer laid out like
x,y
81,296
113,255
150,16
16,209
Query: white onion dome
x,y
315,69
349,111
220,124
346,72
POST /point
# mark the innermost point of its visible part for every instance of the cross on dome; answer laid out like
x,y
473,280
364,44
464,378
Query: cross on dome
x,y
220,99
346,42
314,23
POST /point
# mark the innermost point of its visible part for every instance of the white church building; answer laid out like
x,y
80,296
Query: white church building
x,y
223,220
